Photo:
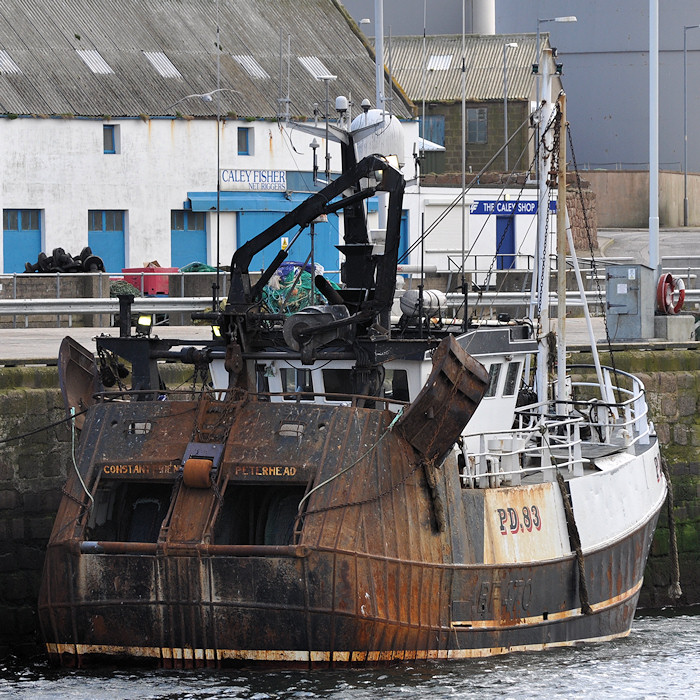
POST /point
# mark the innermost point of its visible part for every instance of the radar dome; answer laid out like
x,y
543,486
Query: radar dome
x,y
376,131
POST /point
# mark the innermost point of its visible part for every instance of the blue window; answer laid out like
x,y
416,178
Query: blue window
x,y
109,139
244,141
21,239
106,237
188,237
433,129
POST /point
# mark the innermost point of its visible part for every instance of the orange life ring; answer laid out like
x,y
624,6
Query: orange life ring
x,y
670,294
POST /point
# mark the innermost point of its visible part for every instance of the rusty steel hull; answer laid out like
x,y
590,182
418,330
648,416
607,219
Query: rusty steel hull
x,y
212,532
313,607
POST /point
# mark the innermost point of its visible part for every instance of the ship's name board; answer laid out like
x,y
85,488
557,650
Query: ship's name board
x,y
257,470
152,471
241,179
507,207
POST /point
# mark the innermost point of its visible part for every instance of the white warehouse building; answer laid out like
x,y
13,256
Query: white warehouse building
x,y
109,137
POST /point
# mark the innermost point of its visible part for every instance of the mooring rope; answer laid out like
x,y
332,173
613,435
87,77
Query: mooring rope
x,y
575,539
572,528
75,464
674,588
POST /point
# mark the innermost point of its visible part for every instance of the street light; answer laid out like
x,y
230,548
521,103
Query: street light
x,y
568,18
511,45
685,120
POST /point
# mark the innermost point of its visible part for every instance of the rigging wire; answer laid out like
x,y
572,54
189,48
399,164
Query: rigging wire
x,y
45,427
458,198
594,270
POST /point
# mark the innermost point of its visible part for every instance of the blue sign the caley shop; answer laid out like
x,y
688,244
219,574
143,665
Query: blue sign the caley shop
x,y
507,207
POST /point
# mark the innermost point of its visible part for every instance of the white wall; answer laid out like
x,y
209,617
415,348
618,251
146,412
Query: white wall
x,y
480,230
59,167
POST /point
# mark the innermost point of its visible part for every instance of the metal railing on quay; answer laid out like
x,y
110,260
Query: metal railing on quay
x,y
24,303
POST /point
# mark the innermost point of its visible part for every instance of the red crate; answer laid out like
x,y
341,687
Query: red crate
x,y
154,279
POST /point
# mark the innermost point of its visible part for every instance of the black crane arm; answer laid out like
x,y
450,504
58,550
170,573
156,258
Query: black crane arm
x,y
320,203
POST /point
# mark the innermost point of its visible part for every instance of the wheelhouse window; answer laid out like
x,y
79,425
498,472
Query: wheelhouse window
x,y
396,385
338,381
297,381
511,383
477,131
494,374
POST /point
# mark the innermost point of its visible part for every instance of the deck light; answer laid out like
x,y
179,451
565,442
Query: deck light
x,y
144,325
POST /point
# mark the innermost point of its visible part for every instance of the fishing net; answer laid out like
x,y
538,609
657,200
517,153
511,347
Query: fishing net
x,y
289,289
118,287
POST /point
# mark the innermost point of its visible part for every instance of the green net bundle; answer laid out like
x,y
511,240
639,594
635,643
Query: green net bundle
x,y
283,296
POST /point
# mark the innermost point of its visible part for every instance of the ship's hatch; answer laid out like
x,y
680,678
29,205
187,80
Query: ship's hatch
x,y
258,515
129,512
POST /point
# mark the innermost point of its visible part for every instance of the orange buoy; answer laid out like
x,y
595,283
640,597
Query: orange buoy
x,y
196,473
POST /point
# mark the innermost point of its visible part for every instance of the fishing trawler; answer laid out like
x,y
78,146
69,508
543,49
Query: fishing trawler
x,y
355,485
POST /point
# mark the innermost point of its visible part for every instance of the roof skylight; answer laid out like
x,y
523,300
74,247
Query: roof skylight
x,y
162,64
438,62
251,66
7,65
314,65
95,62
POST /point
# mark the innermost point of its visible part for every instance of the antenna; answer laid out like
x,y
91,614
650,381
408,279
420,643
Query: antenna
x,y
218,162
390,99
465,321
289,59
327,80
284,100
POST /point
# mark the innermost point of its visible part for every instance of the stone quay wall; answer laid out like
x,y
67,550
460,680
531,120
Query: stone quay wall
x,y
33,470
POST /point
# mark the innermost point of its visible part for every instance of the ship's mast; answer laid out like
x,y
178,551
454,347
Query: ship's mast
x,y
542,281
561,258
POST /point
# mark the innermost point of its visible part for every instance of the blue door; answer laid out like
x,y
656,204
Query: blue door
x,y
21,240
505,242
106,237
188,238
251,223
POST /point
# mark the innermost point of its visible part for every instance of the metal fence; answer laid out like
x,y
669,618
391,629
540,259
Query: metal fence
x,y
489,295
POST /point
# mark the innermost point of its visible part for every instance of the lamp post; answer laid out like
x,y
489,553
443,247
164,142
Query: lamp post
x,y
506,46
567,18
685,120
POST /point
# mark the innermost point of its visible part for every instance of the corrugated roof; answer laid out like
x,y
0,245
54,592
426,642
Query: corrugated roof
x,y
42,39
442,81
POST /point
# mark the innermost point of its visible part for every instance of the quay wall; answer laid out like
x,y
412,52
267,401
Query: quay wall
x,y
33,470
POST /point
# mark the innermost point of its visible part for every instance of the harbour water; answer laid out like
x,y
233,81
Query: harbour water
x,y
659,659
